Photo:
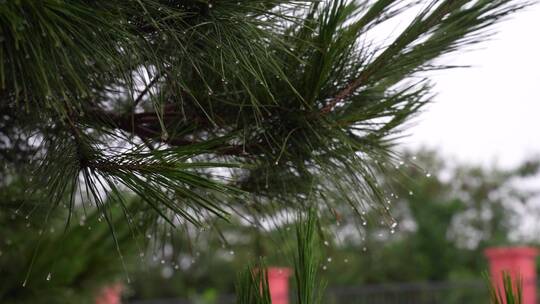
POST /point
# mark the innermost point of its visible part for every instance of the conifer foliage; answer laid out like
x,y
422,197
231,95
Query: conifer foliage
x,y
209,108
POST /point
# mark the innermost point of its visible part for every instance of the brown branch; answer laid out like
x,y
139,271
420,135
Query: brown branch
x,y
141,124
346,92
403,40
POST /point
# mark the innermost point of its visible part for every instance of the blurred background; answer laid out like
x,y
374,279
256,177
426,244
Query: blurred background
x,y
469,180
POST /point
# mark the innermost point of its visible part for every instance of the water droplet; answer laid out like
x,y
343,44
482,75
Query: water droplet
x,y
231,252
329,259
162,261
394,225
392,231
346,261
411,193
141,254
210,5
364,223
324,267
428,175
364,249
48,276
326,243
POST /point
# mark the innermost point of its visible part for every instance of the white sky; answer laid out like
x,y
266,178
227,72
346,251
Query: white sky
x,y
489,113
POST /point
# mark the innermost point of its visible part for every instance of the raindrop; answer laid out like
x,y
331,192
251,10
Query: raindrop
x,y
428,175
326,243
364,223
346,260
394,225
324,267
231,252
210,5
411,193
392,231
364,249
162,261
49,276
329,259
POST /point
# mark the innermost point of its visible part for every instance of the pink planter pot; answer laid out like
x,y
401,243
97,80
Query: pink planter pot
x,y
519,262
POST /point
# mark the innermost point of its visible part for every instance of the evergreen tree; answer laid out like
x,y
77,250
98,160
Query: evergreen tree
x,y
210,108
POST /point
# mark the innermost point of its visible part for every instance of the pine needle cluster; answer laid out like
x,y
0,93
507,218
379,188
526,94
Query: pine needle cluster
x,y
210,108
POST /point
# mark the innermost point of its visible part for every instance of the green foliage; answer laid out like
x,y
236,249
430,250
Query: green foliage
x,y
202,108
41,262
512,292
252,285
307,261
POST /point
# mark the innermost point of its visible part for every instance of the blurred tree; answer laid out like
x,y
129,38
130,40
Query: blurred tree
x,y
435,239
40,262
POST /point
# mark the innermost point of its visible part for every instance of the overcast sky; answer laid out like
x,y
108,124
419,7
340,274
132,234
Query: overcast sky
x,y
489,113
